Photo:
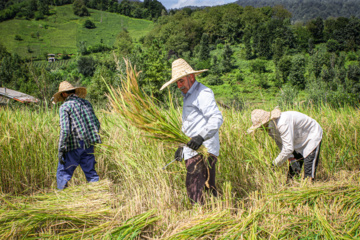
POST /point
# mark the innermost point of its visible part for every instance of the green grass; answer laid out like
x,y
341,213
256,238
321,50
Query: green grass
x,y
63,30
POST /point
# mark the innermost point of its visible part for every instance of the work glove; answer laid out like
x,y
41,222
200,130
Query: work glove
x,y
195,142
179,154
295,165
61,157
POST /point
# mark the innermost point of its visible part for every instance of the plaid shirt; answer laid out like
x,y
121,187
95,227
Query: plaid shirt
x,y
77,122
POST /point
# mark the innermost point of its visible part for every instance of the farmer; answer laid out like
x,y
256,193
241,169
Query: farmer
x,y
79,131
201,120
297,135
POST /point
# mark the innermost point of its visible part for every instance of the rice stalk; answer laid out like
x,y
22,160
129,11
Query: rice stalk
x,y
145,112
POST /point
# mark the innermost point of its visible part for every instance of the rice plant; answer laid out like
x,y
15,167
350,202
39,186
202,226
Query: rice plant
x,y
136,199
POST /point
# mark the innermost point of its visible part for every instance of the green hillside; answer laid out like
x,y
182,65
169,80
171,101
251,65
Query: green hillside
x,y
63,30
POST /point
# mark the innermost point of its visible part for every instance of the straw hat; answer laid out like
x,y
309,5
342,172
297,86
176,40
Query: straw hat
x,y
66,86
180,69
260,117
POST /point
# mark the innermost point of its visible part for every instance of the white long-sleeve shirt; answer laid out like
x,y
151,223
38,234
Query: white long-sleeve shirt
x,y
201,116
294,131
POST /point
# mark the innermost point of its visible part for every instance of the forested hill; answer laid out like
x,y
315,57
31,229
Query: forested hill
x,y
304,10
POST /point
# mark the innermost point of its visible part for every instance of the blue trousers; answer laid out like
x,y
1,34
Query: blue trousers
x,y
81,156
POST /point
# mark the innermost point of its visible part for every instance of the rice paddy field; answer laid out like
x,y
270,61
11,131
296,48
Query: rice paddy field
x,y
136,199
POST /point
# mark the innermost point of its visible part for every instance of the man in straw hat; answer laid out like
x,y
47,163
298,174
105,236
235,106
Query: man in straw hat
x,y
79,131
296,134
201,121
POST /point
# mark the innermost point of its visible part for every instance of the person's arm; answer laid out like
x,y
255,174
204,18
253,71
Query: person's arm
x,y
287,144
207,106
64,128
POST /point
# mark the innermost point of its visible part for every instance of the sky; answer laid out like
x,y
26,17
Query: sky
x,y
183,3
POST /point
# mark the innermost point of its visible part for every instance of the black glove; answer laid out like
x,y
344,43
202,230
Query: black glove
x,y
195,142
179,154
61,158
295,165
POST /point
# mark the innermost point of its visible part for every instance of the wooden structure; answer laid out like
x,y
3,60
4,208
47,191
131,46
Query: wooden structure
x,y
6,94
51,57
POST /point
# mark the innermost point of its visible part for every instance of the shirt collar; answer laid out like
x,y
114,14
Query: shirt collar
x,y
72,96
191,90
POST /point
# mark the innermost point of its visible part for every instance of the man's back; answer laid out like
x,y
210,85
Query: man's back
x,y
78,122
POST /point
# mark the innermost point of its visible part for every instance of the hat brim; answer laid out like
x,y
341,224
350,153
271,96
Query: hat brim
x,y
79,91
275,114
176,79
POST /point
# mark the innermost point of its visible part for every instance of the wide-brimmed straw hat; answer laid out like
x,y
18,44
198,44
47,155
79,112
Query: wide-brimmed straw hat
x,y
260,117
66,86
180,69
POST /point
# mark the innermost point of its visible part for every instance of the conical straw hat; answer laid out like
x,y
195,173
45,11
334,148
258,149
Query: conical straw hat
x,y
66,86
260,117
180,69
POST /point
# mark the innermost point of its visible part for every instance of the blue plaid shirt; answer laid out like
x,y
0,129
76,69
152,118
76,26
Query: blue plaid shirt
x,y
77,122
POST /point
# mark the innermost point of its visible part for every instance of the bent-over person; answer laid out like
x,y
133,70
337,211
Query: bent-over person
x,y
297,135
79,131
201,120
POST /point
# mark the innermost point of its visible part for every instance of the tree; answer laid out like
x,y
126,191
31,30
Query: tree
x,y
80,9
316,27
226,63
155,69
297,71
204,50
332,45
284,66
86,66
82,48
123,43
43,7
278,49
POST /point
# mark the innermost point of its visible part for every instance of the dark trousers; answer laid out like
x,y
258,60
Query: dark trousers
x,y
310,163
81,156
200,175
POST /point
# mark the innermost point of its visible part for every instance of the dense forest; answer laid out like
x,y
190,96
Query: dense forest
x,y
304,10
247,50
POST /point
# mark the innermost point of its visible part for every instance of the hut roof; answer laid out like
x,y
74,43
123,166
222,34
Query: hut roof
x,y
18,96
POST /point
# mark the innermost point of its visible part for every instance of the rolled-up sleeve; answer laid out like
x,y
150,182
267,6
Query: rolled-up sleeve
x,y
207,106
287,148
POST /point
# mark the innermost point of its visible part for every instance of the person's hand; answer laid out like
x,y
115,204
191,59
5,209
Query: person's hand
x,y
61,158
295,165
179,154
195,142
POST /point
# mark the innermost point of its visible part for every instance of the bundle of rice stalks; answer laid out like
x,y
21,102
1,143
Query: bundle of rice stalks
x,y
79,212
143,111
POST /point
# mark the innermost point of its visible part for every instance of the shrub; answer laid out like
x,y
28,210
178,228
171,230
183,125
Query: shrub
x,y
288,95
18,37
39,16
99,48
239,77
258,66
89,24
351,56
214,80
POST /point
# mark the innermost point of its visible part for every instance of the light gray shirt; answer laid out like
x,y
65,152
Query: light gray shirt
x,y
201,116
294,131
